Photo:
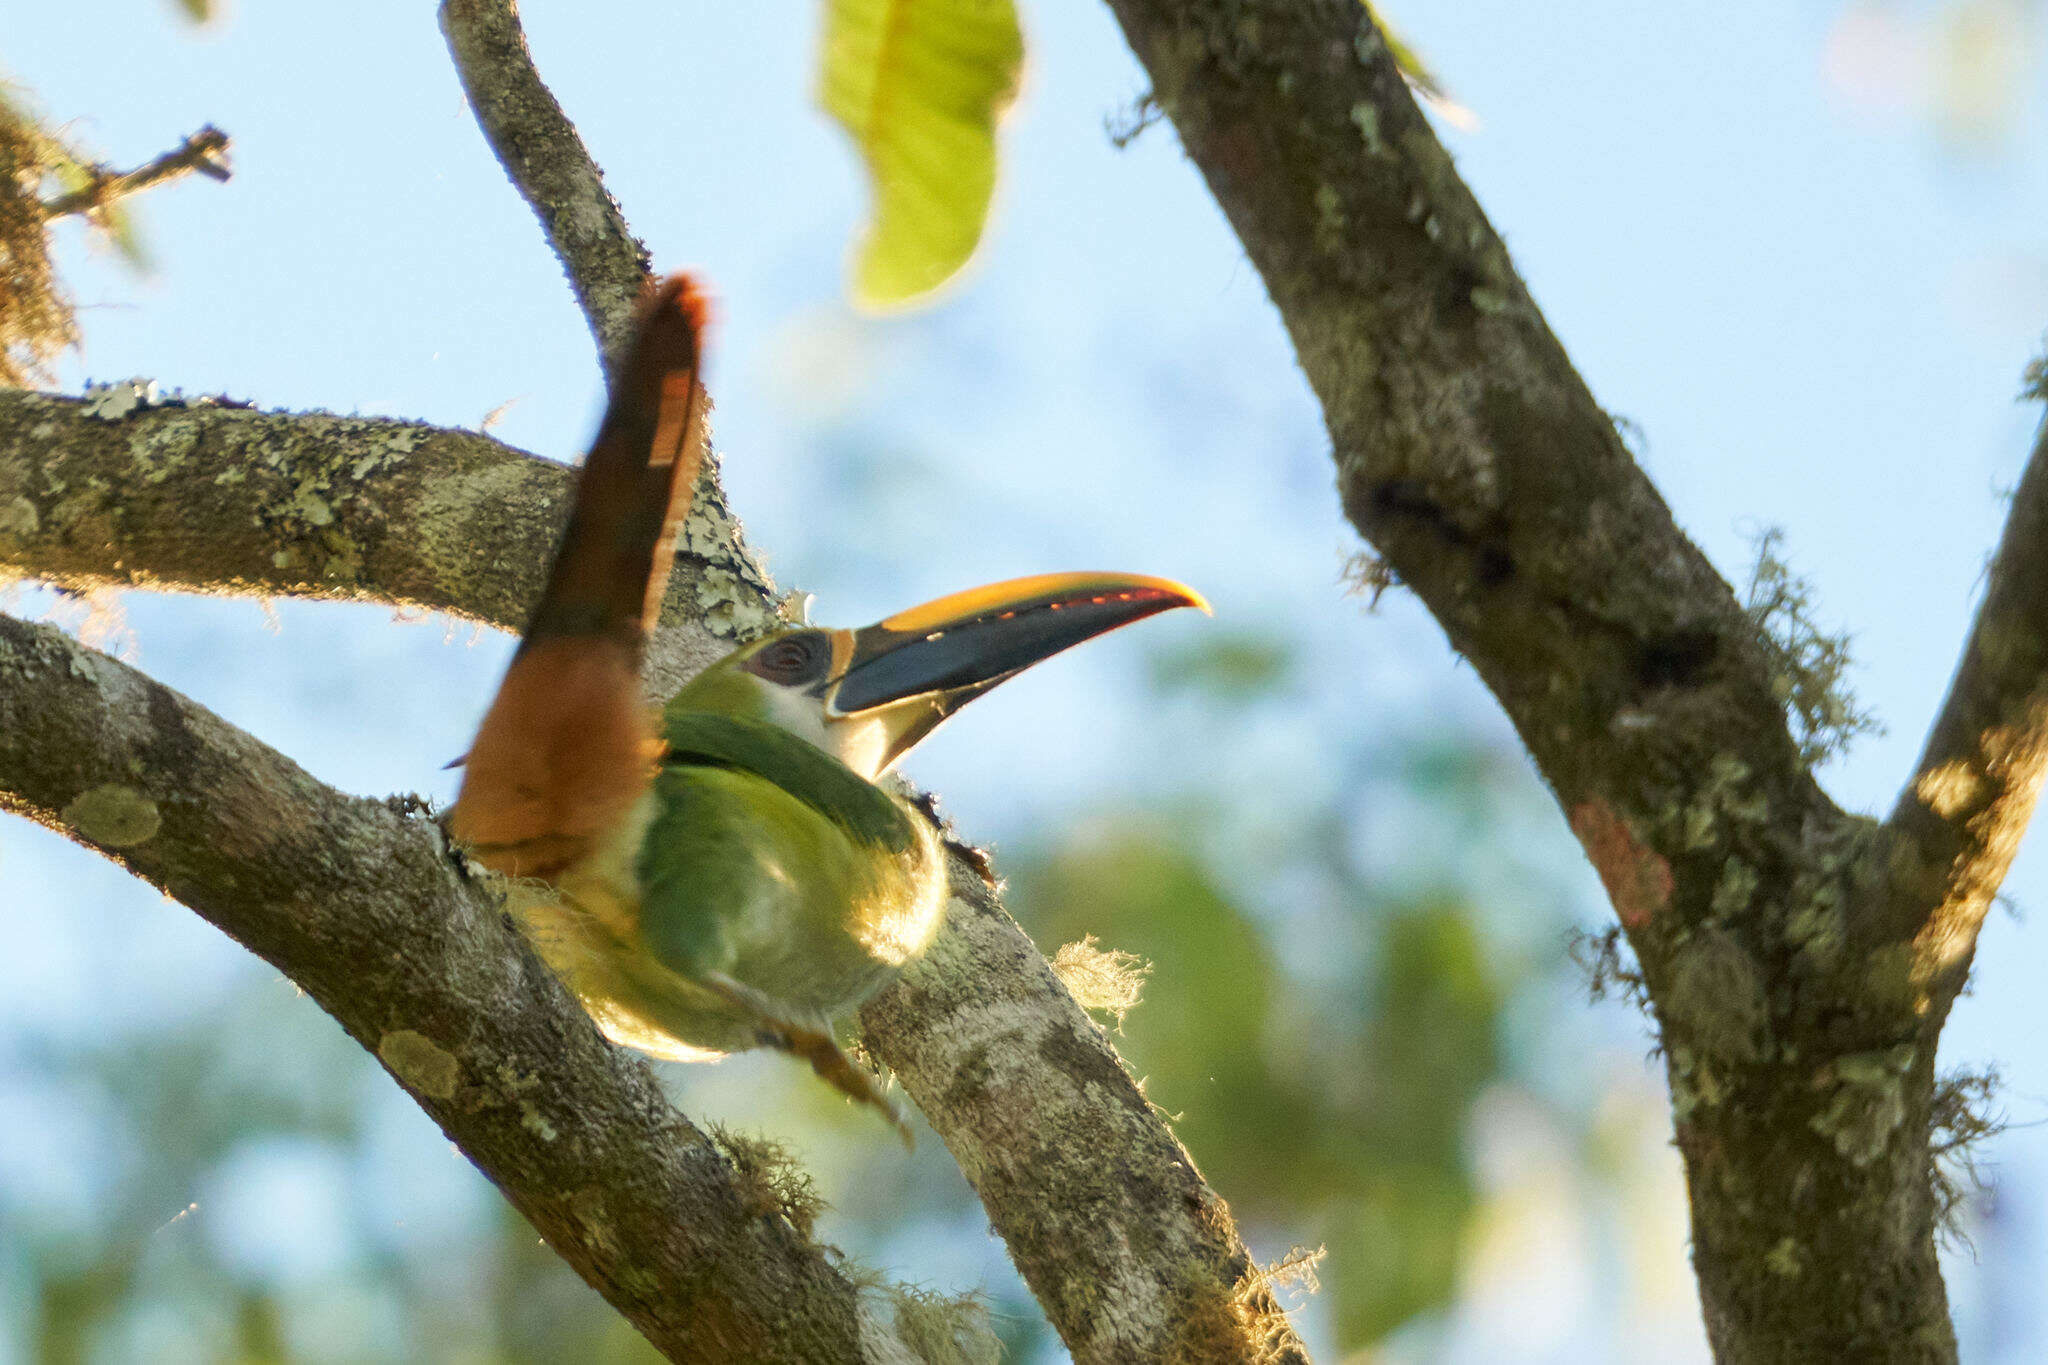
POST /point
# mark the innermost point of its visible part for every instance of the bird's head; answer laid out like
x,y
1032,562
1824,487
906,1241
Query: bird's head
x,y
868,696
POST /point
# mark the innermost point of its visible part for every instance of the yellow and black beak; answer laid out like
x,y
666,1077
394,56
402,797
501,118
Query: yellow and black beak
x,y
921,665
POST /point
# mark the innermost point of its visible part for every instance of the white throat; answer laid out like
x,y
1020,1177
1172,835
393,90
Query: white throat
x,y
860,742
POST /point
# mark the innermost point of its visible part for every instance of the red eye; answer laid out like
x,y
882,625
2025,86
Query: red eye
x,y
792,659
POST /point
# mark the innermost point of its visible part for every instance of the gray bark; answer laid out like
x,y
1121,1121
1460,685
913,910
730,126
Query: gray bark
x,y
360,903
1124,1245
1798,960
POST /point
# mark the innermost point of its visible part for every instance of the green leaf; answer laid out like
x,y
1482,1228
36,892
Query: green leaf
x,y
122,231
919,86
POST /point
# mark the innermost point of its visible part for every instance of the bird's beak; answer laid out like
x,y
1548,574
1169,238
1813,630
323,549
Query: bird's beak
x,y
919,666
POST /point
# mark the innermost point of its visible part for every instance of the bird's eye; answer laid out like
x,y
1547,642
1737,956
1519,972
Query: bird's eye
x,y
793,659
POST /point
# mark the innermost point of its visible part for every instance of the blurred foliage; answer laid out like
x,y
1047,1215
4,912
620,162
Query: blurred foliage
x,y
155,1152
919,86
1230,666
1341,1120
1320,1049
1966,67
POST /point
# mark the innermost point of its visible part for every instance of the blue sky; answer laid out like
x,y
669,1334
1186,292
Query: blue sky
x,y
1813,308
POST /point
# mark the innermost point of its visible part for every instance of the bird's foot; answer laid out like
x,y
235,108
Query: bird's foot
x,y
814,1043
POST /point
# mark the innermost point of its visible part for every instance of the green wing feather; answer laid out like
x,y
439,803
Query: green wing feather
x,y
805,771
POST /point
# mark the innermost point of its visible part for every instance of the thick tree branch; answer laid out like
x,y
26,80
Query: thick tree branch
x,y
205,152
114,491
1972,793
1130,1253
1132,1256
360,903
1467,448
547,162
1799,1043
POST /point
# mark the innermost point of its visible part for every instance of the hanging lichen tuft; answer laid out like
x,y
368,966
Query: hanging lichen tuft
x,y
35,318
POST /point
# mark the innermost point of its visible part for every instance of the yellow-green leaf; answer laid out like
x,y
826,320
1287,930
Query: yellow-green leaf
x,y
919,85
1421,77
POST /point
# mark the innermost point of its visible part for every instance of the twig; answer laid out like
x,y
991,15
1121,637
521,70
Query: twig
x,y
204,153
1973,790
547,162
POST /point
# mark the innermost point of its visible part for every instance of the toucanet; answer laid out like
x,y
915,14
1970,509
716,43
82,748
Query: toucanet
x,y
727,873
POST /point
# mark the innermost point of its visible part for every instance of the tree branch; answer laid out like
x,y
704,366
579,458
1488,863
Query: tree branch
x,y
204,152
360,903
1972,793
121,490
1800,1047
1131,1255
544,156
1467,448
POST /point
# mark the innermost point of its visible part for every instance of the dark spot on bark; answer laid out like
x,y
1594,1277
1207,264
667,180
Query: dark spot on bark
x,y
1085,1061
970,1078
1410,500
169,746
1454,291
1495,566
1680,659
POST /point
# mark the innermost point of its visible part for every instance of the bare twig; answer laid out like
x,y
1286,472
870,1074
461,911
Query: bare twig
x,y
204,153
360,903
547,162
1973,791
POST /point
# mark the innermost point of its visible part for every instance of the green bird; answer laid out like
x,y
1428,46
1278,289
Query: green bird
x,y
731,874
